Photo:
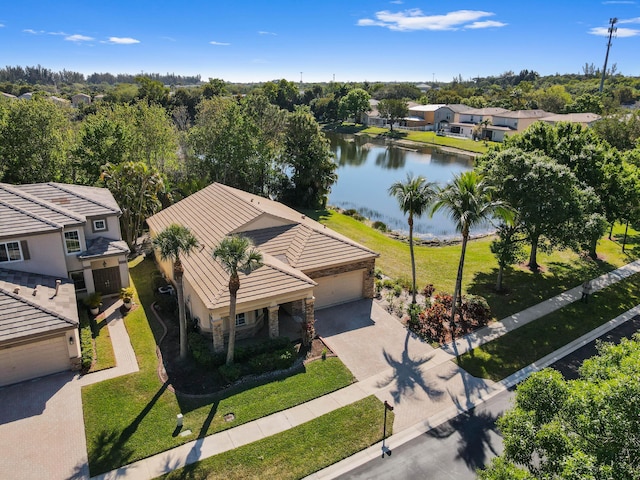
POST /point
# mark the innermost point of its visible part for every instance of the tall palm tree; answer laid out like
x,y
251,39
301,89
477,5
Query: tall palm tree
x,y
236,254
414,197
468,200
173,241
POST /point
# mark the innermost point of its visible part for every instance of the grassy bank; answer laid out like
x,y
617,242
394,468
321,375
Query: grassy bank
x,y
523,346
133,417
300,451
560,270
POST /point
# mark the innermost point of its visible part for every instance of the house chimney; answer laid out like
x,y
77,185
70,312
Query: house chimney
x,y
58,282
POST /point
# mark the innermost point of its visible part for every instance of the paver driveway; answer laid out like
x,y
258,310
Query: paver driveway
x,y
42,430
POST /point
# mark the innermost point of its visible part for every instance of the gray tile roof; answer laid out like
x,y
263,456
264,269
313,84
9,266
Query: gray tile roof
x,y
23,314
87,201
102,247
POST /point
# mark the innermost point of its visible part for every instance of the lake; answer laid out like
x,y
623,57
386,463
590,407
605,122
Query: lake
x,y
367,168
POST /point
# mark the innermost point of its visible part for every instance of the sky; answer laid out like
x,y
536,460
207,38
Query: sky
x,y
320,40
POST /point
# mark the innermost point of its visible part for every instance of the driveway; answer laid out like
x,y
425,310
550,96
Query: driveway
x,y
367,338
417,379
42,429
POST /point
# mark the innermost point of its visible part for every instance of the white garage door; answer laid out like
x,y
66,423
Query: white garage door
x,y
33,360
341,288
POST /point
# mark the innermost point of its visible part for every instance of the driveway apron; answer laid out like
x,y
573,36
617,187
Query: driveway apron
x,y
42,430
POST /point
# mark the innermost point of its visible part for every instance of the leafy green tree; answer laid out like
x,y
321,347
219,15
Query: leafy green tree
x,y
216,87
236,254
307,154
354,104
414,196
552,99
172,243
619,130
544,195
155,137
153,91
136,188
585,103
224,145
35,139
507,248
469,201
393,109
586,428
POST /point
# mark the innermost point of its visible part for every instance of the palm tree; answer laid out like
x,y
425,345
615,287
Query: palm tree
x,y
236,254
414,197
468,200
173,241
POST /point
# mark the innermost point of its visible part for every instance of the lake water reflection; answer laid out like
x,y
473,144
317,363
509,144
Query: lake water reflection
x,y
367,167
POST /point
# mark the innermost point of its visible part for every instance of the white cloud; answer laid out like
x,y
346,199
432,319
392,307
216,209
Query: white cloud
x,y
262,32
1,25
619,2
123,40
79,38
630,20
486,24
620,32
169,39
414,19
33,32
57,33
222,44
397,2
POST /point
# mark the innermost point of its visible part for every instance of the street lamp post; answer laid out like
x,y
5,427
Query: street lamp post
x,y
389,408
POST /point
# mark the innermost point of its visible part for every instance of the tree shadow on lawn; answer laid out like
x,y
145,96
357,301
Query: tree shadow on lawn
x,y
523,288
111,445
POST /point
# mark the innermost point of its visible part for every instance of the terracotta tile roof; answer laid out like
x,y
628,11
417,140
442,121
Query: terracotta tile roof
x,y
23,314
291,243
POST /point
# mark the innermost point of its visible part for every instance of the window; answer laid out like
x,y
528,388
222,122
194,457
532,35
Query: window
x,y
78,280
72,241
99,225
240,320
10,252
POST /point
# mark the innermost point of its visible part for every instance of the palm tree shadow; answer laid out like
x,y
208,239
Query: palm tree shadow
x,y
407,375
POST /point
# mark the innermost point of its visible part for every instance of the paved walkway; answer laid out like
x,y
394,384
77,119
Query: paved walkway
x,y
429,387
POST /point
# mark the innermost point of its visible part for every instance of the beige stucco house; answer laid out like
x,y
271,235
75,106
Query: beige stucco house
x,y
306,266
56,241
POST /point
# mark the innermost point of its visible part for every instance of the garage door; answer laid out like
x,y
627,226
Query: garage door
x,y
341,288
33,360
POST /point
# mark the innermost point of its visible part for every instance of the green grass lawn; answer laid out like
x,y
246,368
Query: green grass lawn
x,y
431,138
105,357
523,346
133,417
561,270
300,451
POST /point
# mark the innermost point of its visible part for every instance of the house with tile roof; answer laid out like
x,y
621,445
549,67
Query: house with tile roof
x,y
57,241
306,265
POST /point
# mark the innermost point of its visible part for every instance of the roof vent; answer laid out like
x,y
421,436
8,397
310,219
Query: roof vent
x,y
303,217
16,290
35,291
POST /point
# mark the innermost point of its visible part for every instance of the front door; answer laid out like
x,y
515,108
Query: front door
x,y
107,280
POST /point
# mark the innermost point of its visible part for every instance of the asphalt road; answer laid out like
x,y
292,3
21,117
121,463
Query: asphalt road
x,y
455,449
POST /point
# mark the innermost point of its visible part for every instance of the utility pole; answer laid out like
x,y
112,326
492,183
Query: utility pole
x,y
612,30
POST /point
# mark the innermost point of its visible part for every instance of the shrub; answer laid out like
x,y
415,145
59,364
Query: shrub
x,y
428,290
200,349
379,286
230,373
157,280
268,362
378,225
167,304
377,272
443,299
246,352
397,290
86,345
388,283
476,310
405,282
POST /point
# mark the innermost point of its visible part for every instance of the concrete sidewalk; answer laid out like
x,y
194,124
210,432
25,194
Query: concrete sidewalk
x,y
456,390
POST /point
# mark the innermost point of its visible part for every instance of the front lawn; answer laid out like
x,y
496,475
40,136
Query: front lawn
x,y
300,451
133,417
523,346
560,271
430,138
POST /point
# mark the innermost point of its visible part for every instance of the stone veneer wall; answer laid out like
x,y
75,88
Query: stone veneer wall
x,y
368,286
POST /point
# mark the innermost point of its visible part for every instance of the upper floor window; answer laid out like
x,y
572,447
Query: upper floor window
x,y
240,320
99,225
72,241
10,252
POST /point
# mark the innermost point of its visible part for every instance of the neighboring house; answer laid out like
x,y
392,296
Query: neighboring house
x,y
38,324
64,231
448,114
306,265
26,96
422,116
80,98
468,119
508,123
372,117
584,119
63,102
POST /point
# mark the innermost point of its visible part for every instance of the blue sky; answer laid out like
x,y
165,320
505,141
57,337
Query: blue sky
x,y
355,40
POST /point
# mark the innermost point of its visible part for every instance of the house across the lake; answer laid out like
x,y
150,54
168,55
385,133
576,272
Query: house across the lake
x,y
307,266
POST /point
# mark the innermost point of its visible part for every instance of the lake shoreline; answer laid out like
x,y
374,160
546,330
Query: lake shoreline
x,y
413,144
